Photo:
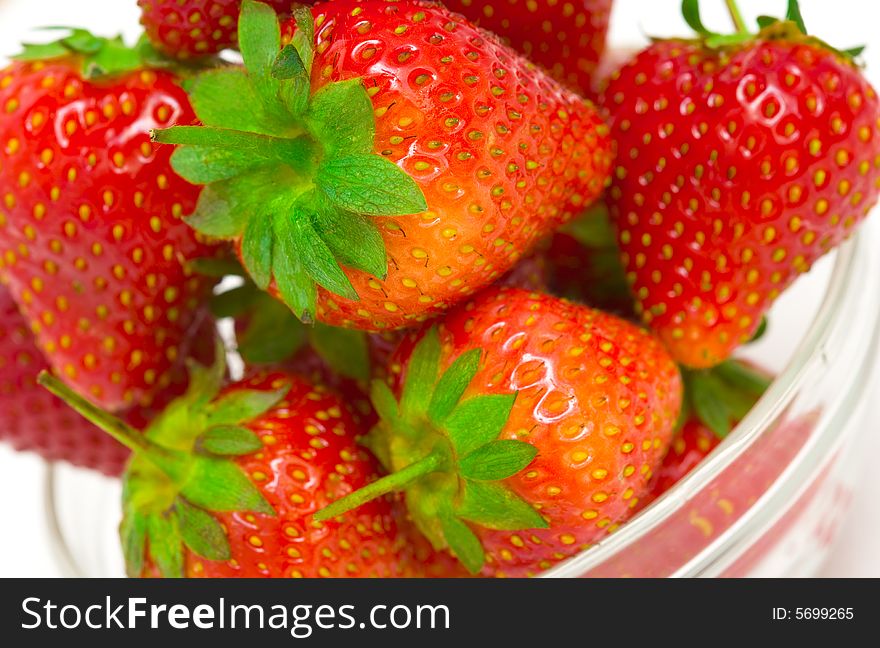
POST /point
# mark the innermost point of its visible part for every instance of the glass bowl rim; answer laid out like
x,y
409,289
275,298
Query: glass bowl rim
x,y
776,399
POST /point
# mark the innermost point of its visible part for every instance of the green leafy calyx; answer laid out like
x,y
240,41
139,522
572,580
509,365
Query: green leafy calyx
x,y
182,470
443,451
720,397
290,173
789,28
98,56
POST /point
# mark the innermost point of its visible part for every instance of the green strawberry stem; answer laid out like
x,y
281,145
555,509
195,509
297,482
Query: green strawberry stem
x,y
735,15
290,174
390,483
119,430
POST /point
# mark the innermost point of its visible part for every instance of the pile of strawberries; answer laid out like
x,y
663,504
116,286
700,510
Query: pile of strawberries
x,y
484,320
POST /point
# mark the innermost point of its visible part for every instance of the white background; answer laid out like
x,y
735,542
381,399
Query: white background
x,y
24,547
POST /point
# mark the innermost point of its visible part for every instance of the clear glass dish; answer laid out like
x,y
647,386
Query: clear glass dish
x,y
795,451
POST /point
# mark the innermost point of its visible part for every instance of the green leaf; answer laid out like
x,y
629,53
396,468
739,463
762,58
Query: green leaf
x,y
211,96
304,37
854,52
272,335
421,374
204,165
259,39
341,117
220,485
201,532
369,185
316,257
42,52
452,385
497,460
295,86
133,535
716,41
793,13
766,21
217,214
495,507
83,42
257,247
228,440
708,401
742,378
344,350
288,64
166,551
243,405
234,303
383,401
225,207
205,381
477,421
690,9
258,148
295,286
354,240
217,267
463,542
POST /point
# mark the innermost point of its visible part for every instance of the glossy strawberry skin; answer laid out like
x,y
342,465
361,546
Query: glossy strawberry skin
x,y
309,458
596,395
92,241
737,169
565,38
188,29
501,152
32,419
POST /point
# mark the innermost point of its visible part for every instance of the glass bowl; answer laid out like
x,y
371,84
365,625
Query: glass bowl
x,y
767,501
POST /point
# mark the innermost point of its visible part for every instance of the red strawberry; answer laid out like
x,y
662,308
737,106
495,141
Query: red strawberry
x,y
429,158
524,429
250,465
33,419
691,445
187,29
92,240
566,38
741,160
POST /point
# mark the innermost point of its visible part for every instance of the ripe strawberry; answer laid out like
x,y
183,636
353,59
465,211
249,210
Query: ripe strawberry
x,y
428,159
186,29
742,160
225,483
566,38
538,437
92,241
33,419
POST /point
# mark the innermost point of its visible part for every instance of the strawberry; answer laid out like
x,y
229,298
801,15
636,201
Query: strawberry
x,y
33,419
225,483
392,139
522,429
186,29
741,160
92,241
566,38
